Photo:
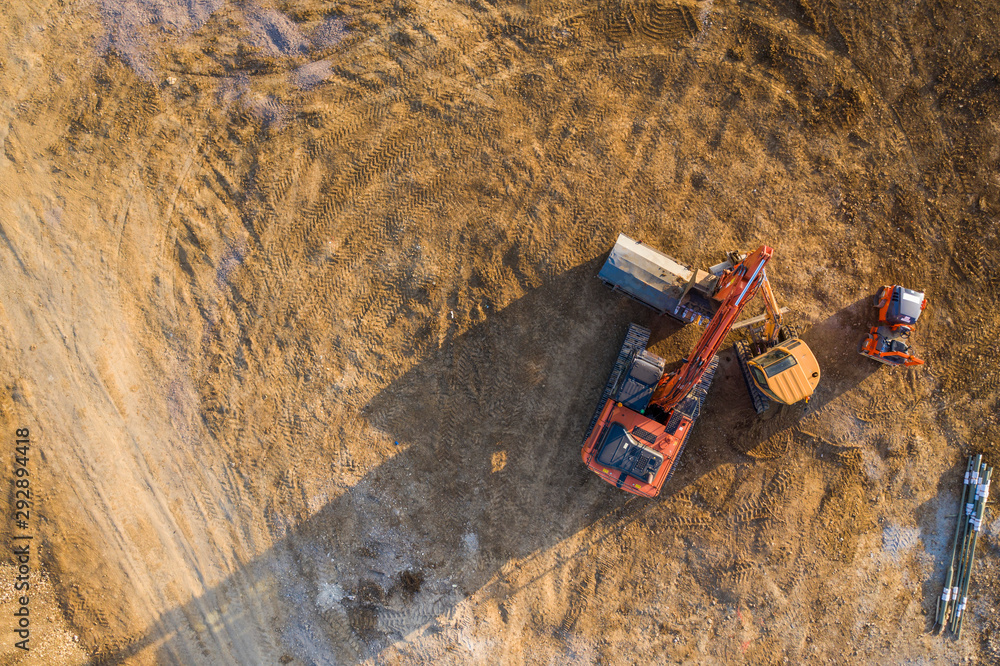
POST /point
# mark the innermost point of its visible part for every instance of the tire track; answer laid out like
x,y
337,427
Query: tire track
x,y
663,22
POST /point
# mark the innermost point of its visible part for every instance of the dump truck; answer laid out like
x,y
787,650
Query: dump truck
x,y
646,414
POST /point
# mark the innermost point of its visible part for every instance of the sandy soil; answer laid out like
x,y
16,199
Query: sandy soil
x,y
299,305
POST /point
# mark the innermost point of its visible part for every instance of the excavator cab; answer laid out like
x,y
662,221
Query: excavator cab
x,y
787,373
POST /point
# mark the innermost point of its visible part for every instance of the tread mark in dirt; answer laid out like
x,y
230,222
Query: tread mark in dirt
x,y
328,276
740,571
530,31
655,21
762,505
620,21
977,376
665,22
805,56
814,21
338,624
975,261
351,127
845,26
276,190
580,594
586,235
320,219
564,128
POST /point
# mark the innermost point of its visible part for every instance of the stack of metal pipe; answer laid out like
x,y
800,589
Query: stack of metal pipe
x,y
975,495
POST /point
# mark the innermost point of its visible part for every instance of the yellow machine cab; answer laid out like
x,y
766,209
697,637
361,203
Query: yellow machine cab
x,y
786,373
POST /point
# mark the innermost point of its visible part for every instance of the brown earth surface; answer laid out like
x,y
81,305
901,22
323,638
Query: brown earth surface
x,y
299,305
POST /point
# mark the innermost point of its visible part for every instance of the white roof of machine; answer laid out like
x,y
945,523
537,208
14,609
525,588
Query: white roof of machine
x,y
651,260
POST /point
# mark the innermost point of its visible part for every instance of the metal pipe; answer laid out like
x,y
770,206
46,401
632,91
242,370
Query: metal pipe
x,y
963,519
944,601
982,495
967,512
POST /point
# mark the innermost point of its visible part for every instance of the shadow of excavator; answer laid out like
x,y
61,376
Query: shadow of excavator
x,y
487,478
487,475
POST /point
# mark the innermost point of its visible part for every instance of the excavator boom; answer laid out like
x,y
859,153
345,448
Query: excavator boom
x,y
736,288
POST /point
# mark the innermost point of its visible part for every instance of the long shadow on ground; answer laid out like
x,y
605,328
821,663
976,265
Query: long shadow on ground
x,y
487,476
487,480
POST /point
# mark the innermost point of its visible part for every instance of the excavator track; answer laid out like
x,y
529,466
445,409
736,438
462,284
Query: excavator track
x,y
635,341
761,403
692,405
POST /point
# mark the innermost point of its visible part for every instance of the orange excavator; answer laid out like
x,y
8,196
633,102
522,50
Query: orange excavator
x,y
645,415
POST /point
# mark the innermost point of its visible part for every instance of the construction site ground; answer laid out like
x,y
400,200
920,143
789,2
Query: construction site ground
x,y
299,307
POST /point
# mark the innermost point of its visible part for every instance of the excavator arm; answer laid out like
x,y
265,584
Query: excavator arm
x,y
737,287
772,323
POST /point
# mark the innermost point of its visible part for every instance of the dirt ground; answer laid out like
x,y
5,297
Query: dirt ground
x,y
299,306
